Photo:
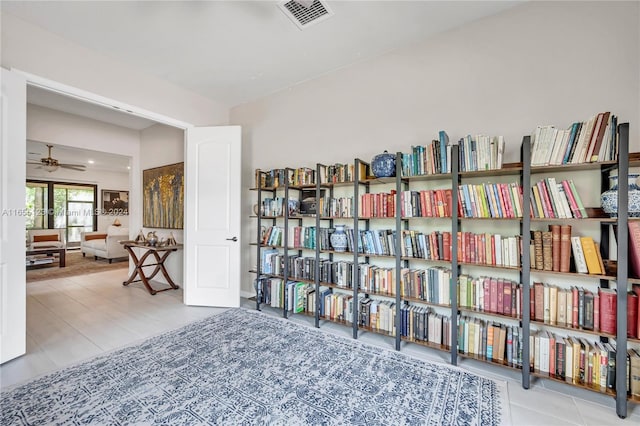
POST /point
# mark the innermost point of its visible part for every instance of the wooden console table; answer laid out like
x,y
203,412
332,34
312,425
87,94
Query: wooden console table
x,y
160,254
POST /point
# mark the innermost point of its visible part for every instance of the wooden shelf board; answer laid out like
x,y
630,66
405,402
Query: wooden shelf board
x,y
593,388
577,330
431,345
572,167
491,314
375,330
418,300
488,361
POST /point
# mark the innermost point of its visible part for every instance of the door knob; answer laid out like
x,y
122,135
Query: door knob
x,y
232,239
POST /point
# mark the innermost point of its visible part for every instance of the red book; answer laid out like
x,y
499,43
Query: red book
x,y
493,307
446,243
506,304
500,294
448,202
538,290
632,314
634,249
486,288
565,248
572,201
608,306
472,248
546,201
532,303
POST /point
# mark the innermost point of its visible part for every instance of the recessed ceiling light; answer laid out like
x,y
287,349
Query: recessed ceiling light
x,y
128,167
90,161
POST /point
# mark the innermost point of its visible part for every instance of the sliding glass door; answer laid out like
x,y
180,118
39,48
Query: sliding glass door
x,y
74,208
59,205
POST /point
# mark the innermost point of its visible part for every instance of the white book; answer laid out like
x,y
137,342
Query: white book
x,y
584,147
568,360
513,252
500,152
578,255
551,145
564,200
536,145
498,244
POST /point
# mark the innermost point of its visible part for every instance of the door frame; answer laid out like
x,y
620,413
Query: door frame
x,y
93,98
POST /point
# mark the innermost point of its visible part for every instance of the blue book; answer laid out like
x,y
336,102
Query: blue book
x,y
572,139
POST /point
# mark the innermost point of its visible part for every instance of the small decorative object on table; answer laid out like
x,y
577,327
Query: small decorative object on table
x,y
171,241
609,198
384,165
152,238
339,239
140,239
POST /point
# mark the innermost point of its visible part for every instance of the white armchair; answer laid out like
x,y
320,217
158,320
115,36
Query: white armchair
x,y
105,244
45,238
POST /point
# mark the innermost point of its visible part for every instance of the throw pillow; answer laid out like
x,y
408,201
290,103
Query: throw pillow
x,y
41,238
89,237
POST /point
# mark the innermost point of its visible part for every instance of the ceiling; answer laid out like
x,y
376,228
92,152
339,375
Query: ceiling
x,y
48,99
234,52
102,161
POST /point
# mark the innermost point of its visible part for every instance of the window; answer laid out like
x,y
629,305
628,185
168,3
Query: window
x,y
60,205
36,205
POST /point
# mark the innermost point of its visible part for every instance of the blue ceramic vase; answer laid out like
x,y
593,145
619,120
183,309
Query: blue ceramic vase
x,y
609,198
384,165
339,239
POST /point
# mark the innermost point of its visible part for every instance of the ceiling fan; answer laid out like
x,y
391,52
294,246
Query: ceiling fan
x,y
51,164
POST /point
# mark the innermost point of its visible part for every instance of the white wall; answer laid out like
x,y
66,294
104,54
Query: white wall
x,y
539,63
59,128
162,145
29,48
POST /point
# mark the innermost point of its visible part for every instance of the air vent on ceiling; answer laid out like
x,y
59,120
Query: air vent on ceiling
x,y
305,13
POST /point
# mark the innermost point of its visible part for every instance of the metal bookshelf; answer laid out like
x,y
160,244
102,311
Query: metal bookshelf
x,y
524,170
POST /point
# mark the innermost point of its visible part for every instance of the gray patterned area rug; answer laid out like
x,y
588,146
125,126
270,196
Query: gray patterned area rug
x,y
246,367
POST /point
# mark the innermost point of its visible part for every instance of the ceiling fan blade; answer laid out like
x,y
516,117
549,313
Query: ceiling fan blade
x,y
35,163
76,167
72,165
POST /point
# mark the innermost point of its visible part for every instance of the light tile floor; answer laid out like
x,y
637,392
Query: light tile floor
x,y
73,319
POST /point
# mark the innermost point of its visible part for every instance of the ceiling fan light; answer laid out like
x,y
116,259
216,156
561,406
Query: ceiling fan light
x,y
50,167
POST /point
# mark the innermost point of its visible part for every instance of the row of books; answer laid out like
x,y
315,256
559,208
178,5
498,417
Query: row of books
x,y
490,295
552,250
372,278
577,360
581,308
480,153
498,200
431,285
430,159
488,249
278,177
490,341
573,359
273,206
425,203
594,140
550,199
335,207
422,324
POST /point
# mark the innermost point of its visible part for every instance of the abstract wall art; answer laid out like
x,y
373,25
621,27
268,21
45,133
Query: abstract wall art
x,y
163,197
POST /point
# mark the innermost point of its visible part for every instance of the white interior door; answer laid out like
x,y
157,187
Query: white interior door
x,y
212,216
13,112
